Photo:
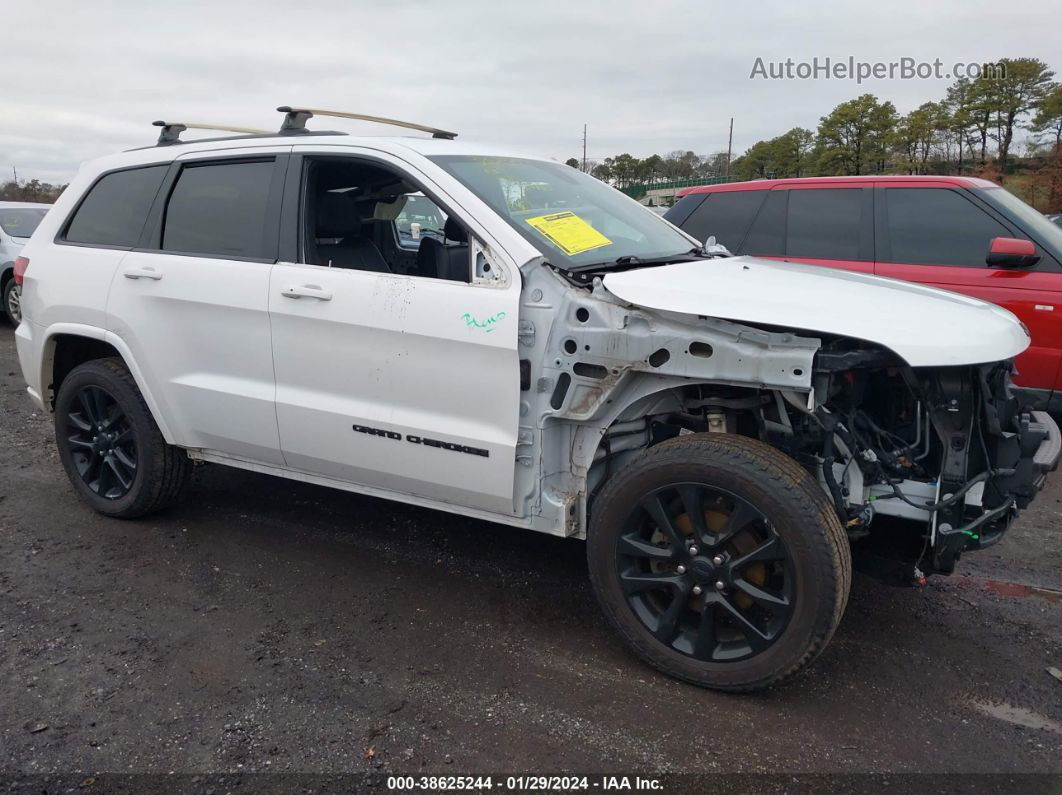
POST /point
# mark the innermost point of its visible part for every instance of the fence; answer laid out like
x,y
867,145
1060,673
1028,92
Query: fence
x,y
638,189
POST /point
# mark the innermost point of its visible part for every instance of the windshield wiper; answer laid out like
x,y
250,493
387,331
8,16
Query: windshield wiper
x,y
632,259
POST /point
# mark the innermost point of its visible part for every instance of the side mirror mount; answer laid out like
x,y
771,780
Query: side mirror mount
x,y
1010,252
713,249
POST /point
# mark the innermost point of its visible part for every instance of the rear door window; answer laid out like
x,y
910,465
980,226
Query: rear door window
x,y
727,215
115,209
937,226
220,210
824,223
766,238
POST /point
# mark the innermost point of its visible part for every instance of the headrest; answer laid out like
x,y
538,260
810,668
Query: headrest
x,y
337,216
454,231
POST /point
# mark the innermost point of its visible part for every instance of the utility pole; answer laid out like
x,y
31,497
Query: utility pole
x,y
729,148
15,170
584,147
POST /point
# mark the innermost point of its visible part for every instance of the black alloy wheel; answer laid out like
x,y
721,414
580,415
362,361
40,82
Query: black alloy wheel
x,y
110,445
102,443
719,560
706,572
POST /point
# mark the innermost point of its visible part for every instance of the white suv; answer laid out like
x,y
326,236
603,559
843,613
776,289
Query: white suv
x,y
456,326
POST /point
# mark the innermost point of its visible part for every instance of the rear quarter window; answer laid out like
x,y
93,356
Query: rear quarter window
x,y
680,211
115,208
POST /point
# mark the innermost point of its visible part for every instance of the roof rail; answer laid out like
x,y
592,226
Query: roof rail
x,y
171,130
296,118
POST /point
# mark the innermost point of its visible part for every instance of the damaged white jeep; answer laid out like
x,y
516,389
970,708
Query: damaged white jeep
x,y
508,339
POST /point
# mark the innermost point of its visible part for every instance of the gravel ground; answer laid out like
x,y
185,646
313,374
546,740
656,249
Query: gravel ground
x,y
267,625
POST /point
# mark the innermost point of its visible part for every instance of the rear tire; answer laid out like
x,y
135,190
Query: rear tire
x,y
720,561
110,446
12,302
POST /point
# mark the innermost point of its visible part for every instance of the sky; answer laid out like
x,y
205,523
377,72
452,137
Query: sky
x,y
84,79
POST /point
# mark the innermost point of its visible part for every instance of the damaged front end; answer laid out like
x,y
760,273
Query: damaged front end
x,y
951,450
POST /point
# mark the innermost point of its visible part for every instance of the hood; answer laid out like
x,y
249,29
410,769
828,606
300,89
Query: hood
x,y
925,326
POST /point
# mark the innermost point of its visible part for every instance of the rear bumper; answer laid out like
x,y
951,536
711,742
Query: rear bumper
x,y
27,345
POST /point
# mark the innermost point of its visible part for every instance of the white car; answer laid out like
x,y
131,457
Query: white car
x,y
721,431
17,222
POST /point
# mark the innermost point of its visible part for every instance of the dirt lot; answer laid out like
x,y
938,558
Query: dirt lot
x,y
267,625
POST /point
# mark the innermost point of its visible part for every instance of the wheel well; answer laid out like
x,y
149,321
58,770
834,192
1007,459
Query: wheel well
x,y
5,276
69,351
669,412
696,407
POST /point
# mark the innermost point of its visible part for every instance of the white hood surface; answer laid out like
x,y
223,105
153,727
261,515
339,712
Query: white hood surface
x,y
925,326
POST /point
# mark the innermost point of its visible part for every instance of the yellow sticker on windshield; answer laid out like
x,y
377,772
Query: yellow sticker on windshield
x,y
569,232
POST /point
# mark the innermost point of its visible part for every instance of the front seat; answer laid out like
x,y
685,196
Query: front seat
x,y
445,260
339,239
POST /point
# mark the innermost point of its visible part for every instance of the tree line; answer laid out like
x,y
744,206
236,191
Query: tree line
x,y
31,191
625,170
971,130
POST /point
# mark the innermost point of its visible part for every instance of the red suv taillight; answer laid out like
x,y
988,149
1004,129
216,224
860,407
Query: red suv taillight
x,y
21,263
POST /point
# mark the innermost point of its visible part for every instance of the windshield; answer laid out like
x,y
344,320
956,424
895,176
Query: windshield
x,y
576,221
21,221
1046,233
420,217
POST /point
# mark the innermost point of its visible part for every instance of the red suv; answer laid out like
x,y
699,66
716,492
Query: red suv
x,y
957,233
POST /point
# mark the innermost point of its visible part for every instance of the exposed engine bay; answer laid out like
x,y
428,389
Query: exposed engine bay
x,y
948,449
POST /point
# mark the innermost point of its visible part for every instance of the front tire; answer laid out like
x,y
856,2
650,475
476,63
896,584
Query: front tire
x,y
110,446
13,302
720,561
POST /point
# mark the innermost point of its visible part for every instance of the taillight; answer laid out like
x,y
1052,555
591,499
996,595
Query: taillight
x,y
21,263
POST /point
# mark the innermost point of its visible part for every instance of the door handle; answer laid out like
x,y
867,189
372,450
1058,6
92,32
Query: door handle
x,y
144,272
307,291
